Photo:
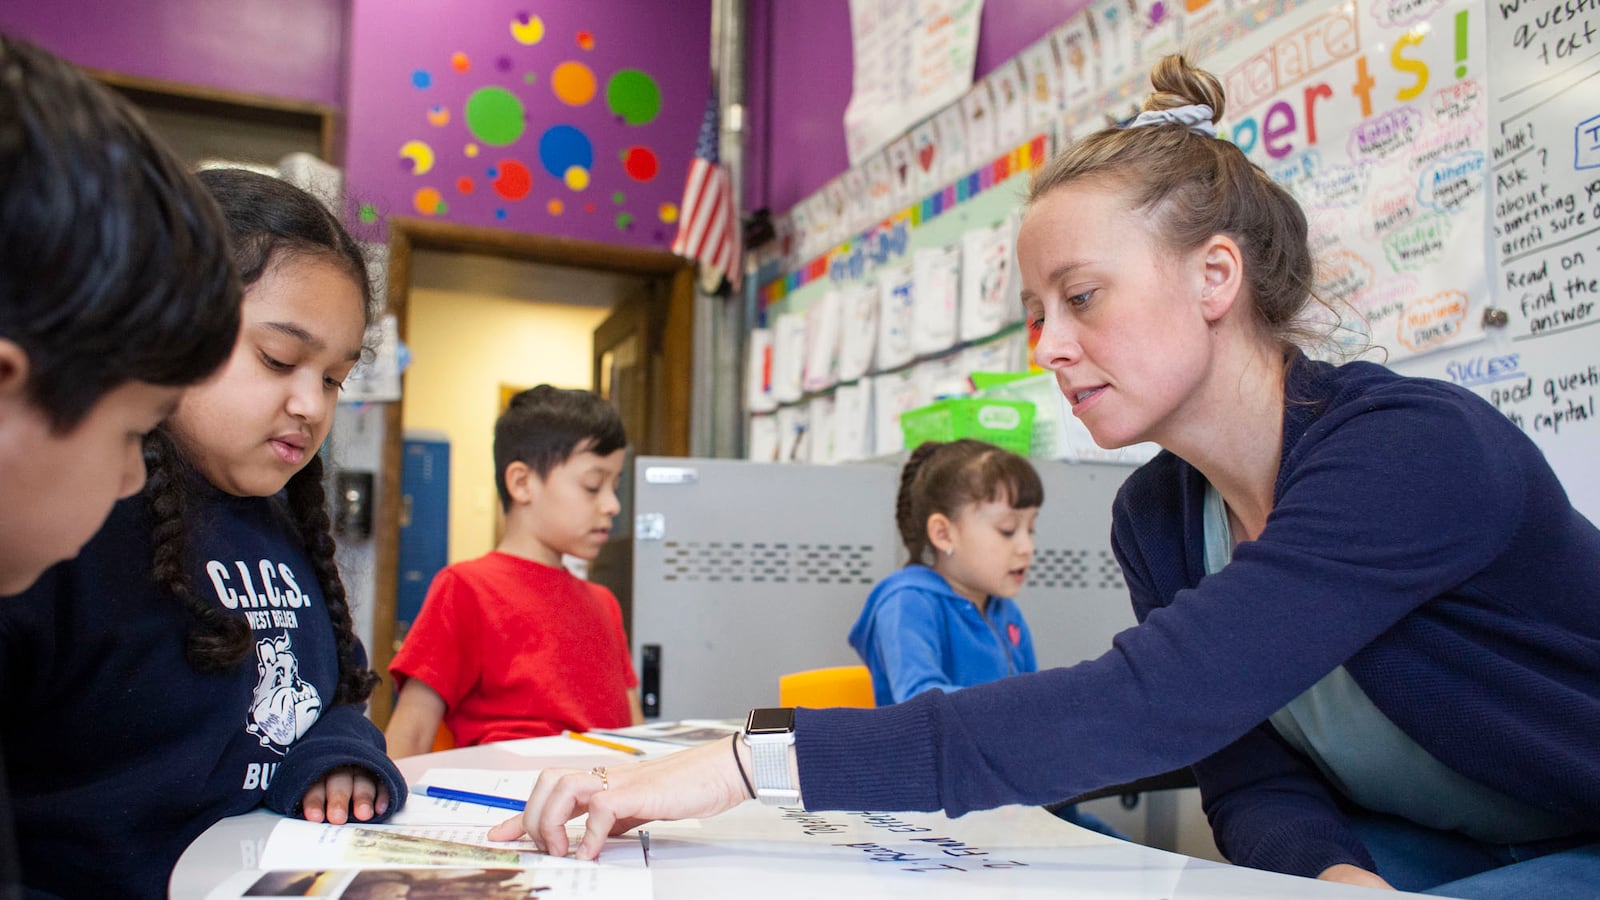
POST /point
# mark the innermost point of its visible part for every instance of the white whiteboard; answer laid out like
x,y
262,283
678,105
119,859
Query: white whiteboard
x,y
1542,369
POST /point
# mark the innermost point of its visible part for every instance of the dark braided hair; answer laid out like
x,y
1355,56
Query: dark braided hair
x,y
267,220
945,477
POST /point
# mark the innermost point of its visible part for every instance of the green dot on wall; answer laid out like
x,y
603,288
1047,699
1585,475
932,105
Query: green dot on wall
x,y
368,213
624,220
618,199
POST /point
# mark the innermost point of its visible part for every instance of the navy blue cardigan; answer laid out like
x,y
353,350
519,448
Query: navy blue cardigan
x,y
1417,537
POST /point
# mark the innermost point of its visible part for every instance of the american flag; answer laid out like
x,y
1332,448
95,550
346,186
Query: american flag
x,y
708,228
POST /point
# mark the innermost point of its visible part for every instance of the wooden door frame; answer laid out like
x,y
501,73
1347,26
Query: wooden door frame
x,y
407,235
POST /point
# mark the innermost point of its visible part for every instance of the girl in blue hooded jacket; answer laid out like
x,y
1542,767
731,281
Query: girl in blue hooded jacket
x,y
966,512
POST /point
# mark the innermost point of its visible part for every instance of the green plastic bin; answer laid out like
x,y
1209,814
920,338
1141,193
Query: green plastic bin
x,y
1004,423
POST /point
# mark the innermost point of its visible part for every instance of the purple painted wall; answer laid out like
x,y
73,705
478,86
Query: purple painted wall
x,y
799,70
292,49
535,117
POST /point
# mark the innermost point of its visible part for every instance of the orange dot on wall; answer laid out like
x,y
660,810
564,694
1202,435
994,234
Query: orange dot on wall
x,y
427,201
460,61
573,83
669,212
555,207
586,40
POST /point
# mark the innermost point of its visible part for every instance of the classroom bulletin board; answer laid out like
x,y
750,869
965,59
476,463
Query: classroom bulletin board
x,y
1447,154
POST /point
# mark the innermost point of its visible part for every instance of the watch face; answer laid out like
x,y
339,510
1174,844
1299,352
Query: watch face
x,y
771,720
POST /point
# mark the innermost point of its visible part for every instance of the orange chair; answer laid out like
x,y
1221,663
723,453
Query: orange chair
x,y
834,686
443,739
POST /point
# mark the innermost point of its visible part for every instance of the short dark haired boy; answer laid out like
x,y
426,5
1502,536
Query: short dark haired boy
x,y
512,645
116,290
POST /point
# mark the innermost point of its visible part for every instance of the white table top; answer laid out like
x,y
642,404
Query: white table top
x,y
758,851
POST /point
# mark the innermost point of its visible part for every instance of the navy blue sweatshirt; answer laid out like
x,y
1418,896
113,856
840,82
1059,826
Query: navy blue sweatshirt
x,y
119,752
1417,537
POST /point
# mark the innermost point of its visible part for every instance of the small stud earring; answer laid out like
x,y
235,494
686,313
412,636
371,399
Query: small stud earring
x,y
950,552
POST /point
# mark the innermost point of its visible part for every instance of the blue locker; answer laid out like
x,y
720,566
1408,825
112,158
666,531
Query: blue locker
x,y
424,523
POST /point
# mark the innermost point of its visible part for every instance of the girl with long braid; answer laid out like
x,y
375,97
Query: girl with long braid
x,y
198,659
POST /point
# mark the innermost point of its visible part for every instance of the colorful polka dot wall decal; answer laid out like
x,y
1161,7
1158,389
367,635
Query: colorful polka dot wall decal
x,y
563,147
503,63
428,202
634,96
460,62
511,179
573,83
618,198
530,77
527,30
576,178
555,207
500,214
471,151
368,214
438,117
495,116
420,156
585,40
421,80
668,213
465,185
624,221
640,163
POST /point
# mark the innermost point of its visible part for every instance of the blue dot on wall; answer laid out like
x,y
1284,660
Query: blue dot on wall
x,y
563,147
500,214
421,79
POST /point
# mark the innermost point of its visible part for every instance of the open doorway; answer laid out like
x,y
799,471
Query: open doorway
x,y
665,289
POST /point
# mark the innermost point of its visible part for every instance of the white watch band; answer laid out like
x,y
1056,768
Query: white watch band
x,y
769,764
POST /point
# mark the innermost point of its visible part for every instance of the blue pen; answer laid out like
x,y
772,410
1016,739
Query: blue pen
x,y
470,797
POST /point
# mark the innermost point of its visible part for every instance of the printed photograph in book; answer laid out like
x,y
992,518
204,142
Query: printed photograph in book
x,y
413,884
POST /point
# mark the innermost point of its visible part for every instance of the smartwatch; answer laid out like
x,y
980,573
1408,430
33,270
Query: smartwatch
x,y
769,733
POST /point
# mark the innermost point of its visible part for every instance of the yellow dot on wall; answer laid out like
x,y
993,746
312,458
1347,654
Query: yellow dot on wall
x,y
471,150
577,178
555,207
669,212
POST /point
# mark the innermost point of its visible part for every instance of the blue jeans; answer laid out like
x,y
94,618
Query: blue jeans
x,y
1071,813
1450,864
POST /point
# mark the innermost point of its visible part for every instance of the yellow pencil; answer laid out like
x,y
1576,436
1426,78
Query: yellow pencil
x,y
600,742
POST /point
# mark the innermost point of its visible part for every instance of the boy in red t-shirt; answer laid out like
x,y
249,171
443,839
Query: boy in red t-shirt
x,y
512,645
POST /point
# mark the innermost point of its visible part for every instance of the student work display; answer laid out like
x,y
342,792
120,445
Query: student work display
x,y
1447,154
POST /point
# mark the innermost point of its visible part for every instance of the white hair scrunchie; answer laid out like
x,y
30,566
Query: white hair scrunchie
x,y
1195,117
